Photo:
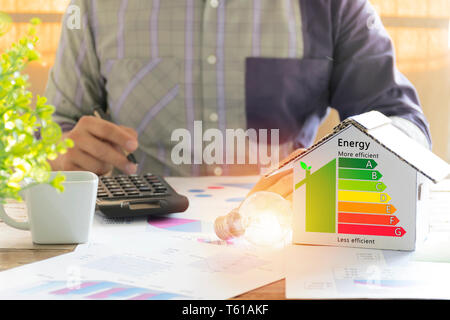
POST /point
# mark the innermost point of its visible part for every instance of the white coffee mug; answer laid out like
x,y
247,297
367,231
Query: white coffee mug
x,y
59,218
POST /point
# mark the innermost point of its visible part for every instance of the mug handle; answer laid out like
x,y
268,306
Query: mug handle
x,y
11,222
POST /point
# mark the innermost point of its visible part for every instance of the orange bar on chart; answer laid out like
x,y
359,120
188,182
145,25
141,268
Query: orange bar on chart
x,y
361,207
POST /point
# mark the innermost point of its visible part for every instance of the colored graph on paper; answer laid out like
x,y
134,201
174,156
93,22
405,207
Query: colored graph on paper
x,y
207,201
221,189
94,290
176,224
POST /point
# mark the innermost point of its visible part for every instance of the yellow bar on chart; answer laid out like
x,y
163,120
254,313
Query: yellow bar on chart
x,y
358,196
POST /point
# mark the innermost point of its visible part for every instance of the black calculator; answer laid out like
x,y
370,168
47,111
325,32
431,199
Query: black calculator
x,y
138,195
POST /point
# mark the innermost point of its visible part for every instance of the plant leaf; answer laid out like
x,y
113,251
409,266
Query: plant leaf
x,y
303,165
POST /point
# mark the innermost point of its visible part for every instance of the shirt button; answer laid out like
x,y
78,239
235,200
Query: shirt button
x,y
214,3
211,59
218,171
213,117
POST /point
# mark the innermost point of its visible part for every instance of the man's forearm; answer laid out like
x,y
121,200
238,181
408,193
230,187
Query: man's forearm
x,y
411,130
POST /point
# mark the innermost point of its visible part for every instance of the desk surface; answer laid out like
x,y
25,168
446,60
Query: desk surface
x,y
16,249
10,258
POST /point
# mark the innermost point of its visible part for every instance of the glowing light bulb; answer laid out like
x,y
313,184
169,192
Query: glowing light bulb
x,y
264,219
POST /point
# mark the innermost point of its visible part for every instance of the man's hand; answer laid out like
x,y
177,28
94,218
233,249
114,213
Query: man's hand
x,y
281,183
99,146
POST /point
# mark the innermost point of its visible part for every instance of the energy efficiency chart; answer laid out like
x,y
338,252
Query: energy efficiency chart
x,y
364,185
363,207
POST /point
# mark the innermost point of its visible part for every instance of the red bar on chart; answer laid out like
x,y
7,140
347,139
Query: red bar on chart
x,y
344,217
362,229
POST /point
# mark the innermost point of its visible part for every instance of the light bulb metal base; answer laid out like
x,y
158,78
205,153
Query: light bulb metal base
x,y
229,226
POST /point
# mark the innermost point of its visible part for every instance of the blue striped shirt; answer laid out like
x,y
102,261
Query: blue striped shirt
x,y
159,65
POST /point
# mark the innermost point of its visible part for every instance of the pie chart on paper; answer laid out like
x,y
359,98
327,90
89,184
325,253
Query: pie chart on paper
x,y
176,224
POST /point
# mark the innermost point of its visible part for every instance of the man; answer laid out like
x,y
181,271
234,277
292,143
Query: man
x,y
156,66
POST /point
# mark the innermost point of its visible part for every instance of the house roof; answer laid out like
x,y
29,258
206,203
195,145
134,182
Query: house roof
x,y
380,128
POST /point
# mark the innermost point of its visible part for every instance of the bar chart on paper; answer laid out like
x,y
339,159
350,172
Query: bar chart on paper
x,y
175,224
94,290
348,196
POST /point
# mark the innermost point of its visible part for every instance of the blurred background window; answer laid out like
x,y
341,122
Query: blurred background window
x,y
419,30
49,11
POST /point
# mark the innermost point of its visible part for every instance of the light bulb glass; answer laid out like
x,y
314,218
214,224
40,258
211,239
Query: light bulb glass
x,y
264,219
267,219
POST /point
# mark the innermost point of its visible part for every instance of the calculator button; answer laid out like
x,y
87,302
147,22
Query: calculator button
x,y
144,189
156,185
118,194
111,184
141,185
127,185
133,193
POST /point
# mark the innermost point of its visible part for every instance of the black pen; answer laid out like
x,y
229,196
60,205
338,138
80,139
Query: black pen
x,y
99,113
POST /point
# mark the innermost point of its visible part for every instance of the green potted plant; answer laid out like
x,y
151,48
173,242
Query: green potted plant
x,y
28,136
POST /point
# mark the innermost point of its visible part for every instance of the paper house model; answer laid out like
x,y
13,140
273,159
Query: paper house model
x,y
364,187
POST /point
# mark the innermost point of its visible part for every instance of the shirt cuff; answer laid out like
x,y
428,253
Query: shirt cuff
x,y
64,122
66,126
410,129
